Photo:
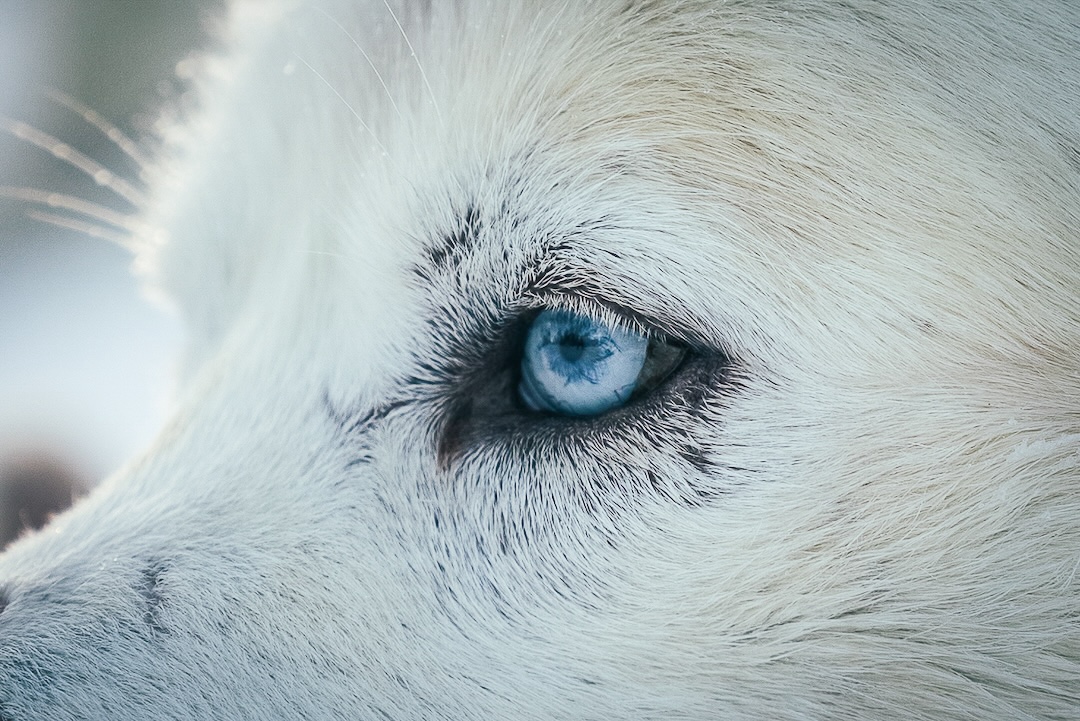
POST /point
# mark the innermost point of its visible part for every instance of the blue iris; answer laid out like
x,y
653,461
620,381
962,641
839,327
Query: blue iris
x,y
576,366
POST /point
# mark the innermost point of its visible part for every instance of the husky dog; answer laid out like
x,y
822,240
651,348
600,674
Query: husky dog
x,y
620,359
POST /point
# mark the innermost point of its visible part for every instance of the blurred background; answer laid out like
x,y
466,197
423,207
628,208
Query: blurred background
x,y
85,360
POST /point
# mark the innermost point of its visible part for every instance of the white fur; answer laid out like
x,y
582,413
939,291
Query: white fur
x,y
871,207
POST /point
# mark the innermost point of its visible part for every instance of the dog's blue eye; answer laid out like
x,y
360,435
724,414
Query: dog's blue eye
x,y
576,366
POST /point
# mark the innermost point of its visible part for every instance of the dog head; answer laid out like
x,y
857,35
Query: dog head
x,y
847,486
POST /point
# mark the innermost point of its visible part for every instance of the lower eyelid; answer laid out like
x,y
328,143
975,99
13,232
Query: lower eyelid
x,y
486,413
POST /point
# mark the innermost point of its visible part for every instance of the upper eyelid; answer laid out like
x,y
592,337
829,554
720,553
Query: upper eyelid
x,y
569,284
591,307
611,313
555,276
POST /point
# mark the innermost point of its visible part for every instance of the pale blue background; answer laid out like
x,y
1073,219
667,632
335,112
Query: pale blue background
x,y
85,362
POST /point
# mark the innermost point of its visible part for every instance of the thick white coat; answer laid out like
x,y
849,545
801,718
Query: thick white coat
x,y
859,500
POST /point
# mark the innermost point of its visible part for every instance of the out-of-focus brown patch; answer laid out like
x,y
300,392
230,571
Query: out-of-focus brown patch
x,y
33,488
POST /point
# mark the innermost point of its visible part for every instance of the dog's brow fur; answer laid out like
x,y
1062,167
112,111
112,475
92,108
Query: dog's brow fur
x,y
450,248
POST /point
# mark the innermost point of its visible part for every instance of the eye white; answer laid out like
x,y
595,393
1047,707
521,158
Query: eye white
x,y
576,366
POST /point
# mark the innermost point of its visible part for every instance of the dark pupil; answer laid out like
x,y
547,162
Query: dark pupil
x,y
572,346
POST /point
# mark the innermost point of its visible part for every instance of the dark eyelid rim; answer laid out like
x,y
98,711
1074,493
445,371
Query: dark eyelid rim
x,y
577,302
686,382
582,300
